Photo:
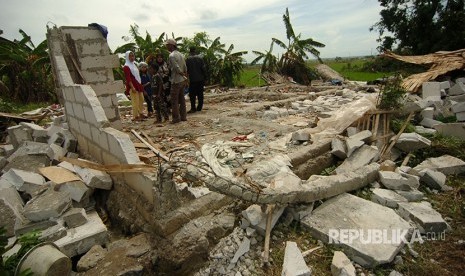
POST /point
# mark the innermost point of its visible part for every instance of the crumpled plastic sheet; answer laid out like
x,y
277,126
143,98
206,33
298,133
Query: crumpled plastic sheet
x,y
274,172
217,155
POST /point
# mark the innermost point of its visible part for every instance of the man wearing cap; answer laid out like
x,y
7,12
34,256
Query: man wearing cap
x,y
197,74
178,79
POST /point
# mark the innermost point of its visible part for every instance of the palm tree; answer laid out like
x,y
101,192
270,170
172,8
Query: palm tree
x,y
25,70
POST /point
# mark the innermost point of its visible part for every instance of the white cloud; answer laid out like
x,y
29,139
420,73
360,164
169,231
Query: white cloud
x,y
249,25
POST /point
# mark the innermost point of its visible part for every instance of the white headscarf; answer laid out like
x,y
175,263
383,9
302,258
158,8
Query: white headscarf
x,y
132,66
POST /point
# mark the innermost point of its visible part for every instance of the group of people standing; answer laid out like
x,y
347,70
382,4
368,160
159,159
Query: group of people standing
x,y
162,84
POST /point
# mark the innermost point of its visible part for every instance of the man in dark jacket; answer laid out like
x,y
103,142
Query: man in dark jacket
x,y
197,74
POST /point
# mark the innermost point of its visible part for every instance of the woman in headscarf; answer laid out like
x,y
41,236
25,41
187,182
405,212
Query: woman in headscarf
x,y
134,86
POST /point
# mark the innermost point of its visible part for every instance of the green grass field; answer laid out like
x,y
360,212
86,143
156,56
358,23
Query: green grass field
x,y
350,69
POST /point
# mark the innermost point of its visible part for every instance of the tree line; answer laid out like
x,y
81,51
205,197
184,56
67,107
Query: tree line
x,y
406,27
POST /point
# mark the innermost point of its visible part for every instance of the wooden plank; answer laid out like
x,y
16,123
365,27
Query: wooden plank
x,y
140,146
394,141
266,252
114,168
376,126
159,153
58,175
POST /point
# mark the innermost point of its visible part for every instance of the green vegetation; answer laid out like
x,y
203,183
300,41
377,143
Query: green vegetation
x,y
250,77
27,241
392,95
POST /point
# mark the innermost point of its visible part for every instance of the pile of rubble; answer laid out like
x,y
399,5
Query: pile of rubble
x,y
39,192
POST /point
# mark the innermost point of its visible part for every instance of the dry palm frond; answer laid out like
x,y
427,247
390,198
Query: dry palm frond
x,y
441,63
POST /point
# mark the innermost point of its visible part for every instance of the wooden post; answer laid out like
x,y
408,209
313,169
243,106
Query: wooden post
x,y
266,252
156,151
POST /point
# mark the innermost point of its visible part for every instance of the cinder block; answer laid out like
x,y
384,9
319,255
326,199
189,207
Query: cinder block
x,y
121,146
97,76
460,116
110,113
100,138
78,111
68,94
90,47
82,33
106,101
89,116
458,107
141,184
63,76
95,151
84,128
457,89
99,62
444,84
108,88
431,89
428,113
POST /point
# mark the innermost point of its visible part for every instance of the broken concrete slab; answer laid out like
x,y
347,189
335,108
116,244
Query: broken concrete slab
x,y
387,198
397,181
452,129
427,113
78,191
31,148
446,164
257,217
244,247
49,204
350,222
80,239
24,181
424,130
352,145
427,219
91,258
411,196
294,263
434,179
11,207
341,265
458,107
38,133
30,163
261,227
431,89
18,134
300,136
23,227
460,116
364,136
54,232
457,89
408,142
58,153
360,158
75,217
430,123
338,148
94,178
6,150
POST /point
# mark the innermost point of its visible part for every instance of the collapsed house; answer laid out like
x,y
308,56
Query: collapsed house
x,y
274,177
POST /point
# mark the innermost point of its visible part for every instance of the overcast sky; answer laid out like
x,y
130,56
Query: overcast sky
x,y
342,25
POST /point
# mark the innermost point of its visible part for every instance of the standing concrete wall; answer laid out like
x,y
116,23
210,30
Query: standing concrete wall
x,y
89,106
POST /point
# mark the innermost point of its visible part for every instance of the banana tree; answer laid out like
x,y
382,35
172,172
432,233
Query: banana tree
x,y
292,62
270,61
230,66
25,70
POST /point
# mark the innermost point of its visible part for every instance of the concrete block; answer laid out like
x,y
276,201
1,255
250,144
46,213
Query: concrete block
x,y
431,89
78,110
269,115
341,265
423,130
79,240
332,221
458,107
121,146
39,134
434,179
24,181
360,158
78,191
462,80
50,204
444,84
452,129
31,163
70,143
23,227
352,145
58,153
446,164
364,135
253,214
427,219
6,150
413,195
82,33
91,258
430,123
11,207
68,94
18,134
396,181
408,142
460,116
457,89
89,47
94,178
75,217
99,62
294,263
427,113
338,148
458,98
3,162
300,136
96,76
387,198
84,129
